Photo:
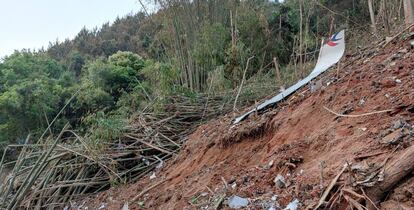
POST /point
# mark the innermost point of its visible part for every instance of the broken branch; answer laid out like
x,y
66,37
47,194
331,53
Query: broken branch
x,y
358,115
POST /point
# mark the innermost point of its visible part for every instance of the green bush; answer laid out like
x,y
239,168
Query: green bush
x,y
34,88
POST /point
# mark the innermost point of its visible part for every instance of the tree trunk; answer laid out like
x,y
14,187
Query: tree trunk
x,y
372,15
408,12
385,16
301,39
394,172
278,76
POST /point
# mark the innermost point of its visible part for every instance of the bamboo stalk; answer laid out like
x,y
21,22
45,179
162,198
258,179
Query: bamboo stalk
x,y
30,179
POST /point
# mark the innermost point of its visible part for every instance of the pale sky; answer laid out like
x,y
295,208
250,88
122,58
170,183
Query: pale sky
x,y
34,23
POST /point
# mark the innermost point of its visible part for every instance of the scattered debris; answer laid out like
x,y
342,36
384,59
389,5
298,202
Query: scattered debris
x,y
329,188
399,132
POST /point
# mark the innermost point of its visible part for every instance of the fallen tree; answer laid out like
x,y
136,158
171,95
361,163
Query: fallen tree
x,y
394,172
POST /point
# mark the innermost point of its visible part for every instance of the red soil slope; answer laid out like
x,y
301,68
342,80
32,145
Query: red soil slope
x,y
300,140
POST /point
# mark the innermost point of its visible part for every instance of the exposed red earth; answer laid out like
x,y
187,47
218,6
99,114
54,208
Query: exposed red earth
x,y
300,140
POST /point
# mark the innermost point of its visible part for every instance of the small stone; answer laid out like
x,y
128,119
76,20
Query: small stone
x,y
236,202
274,198
398,81
388,83
388,39
280,181
153,176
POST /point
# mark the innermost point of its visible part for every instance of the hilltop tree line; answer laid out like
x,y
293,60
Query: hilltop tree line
x,y
187,47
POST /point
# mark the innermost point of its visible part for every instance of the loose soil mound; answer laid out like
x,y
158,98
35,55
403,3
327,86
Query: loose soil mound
x,y
300,140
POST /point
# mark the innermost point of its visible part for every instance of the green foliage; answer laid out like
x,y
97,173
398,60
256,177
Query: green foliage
x,y
34,87
75,62
93,98
118,73
161,77
210,49
106,81
217,80
104,127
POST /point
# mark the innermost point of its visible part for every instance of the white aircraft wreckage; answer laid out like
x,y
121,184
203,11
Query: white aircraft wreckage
x,y
330,54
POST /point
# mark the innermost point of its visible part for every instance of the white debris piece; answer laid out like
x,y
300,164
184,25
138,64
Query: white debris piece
x,y
103,205
292,205
236,202
126,206
153,176
270,163
412,42
280,181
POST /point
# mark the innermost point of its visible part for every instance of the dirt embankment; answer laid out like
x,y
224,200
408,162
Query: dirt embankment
x,y
300,140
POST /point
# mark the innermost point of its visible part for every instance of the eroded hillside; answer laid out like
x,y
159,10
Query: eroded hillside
x,y
362,116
